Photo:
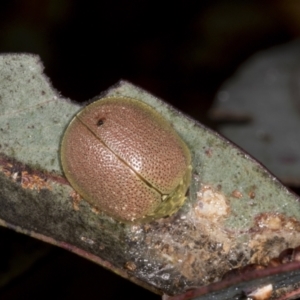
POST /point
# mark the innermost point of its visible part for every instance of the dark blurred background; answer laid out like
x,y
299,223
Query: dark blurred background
x,y
180,51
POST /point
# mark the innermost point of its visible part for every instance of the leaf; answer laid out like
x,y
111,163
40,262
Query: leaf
x,y
263,99
236,212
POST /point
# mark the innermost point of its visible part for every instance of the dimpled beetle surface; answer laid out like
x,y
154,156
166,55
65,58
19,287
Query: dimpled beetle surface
x,y
126,160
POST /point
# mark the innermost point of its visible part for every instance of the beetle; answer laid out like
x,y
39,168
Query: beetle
x,y
126,160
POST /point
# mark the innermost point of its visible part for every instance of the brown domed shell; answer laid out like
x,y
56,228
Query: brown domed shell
x,y
125,159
